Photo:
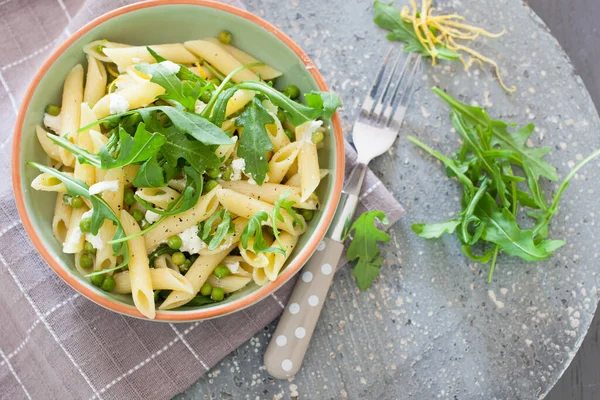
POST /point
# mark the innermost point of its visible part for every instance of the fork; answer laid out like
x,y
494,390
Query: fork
x,y
373,134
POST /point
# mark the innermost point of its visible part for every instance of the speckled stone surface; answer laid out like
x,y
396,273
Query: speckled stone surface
x,y
431,327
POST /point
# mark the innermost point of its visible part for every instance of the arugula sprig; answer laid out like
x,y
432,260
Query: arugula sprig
x,y
388,17
186,200
364,247
287,205
101,211
485,165
253,230
225,226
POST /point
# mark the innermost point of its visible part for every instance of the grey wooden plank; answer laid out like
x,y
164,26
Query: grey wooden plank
x,y
574,24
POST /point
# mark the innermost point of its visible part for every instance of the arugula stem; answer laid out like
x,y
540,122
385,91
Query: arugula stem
x,y
470,209
208,109
561,189
493,264
448,162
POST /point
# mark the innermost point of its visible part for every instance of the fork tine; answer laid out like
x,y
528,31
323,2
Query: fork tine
x,y
405,85
369,102
379,103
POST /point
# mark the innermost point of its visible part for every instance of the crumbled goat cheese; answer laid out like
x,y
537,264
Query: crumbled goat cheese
x,y
152,217
190,241
171,66
117,104
104,186
238,166
52,122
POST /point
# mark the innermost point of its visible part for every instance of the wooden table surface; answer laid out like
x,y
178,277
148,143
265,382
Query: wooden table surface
x,y
574,24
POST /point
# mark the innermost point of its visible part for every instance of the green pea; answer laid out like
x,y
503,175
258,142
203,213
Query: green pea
x,y
227,173
225,37
317,137
215,81
206,289
205,97
308,214
52,181
213,173
174,242
85,225
52,109
89,248
291,135
67,198
108,284
183,268
137,215
209,185
77,202
86,261
97,279
221,271
178,258
217,294
281,115
129,197
291,91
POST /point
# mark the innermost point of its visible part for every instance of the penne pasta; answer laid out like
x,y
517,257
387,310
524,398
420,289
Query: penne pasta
x,y
271,192
126,56
139,270
265,71
175,224
71,110
161,279
288,243
295,179
74,239
105,258
95,85
61,218
245,206
308,161
48,183
49,147
282,160
85,172
160,197
219,58
229,284
136,96
115,198
96,49
260,260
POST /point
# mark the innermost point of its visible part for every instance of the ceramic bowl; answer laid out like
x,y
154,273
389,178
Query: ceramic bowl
x,y
157,22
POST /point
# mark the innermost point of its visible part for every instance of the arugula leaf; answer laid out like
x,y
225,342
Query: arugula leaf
x,y
159,251
151,174
327,102
287,205
515,142
253,230
431,231
200,300
502,229
194,125
83,156
156,56
388,17
188,198
177,146
100,211
364,247
131,150
223,228
254,142
174,88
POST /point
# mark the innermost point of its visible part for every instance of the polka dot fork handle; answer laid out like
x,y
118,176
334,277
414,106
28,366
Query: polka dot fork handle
x,y
290,341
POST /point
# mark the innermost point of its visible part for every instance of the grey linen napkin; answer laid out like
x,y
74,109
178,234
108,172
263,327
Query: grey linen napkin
x,y
56,344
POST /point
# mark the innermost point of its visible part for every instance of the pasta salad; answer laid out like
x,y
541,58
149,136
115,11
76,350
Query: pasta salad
x,y
182,174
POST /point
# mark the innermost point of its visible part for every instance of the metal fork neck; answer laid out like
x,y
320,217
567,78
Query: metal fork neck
x,y
348,203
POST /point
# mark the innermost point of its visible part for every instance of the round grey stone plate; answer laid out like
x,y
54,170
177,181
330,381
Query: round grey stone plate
x,y
432,327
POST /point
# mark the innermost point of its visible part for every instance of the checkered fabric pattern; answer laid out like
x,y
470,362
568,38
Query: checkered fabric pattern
x,y
56,344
